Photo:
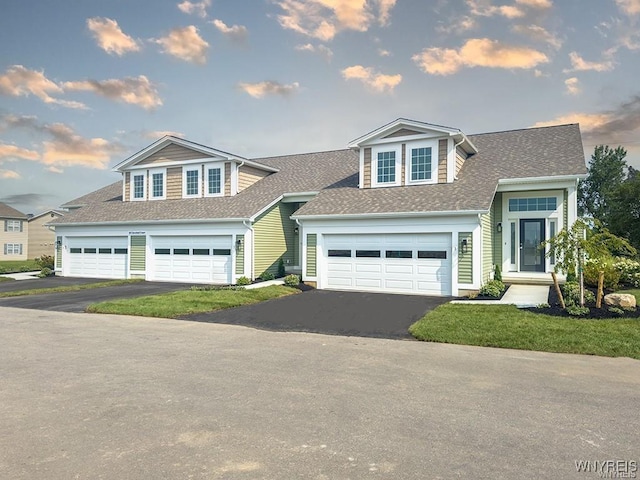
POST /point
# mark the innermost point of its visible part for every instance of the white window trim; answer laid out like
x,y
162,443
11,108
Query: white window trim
x,y
156,171
374,166
207,167
14,226
191,168
434,162
13,248
133,186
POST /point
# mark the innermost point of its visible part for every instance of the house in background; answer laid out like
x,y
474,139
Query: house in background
x,y
410,207
42,239
13,234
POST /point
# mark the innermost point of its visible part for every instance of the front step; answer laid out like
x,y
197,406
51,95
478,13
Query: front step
x,y
530,279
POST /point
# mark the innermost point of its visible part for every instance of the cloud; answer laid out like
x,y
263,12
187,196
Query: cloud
x,y
20,81
24,198
483,8
384,53
539,4
578,64
110,37
630,7
9,174
477,52
8,151
573,86
53,169
322,50
185,44
376,81
323,19
156,134
262,89
195,8
538,33
457,25
137,91
236,33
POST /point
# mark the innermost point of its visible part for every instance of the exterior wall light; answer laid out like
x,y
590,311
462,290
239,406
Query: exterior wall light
x,y
464,245
499,227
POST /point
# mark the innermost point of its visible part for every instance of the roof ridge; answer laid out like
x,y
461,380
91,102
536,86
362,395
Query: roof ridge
x,y
257,159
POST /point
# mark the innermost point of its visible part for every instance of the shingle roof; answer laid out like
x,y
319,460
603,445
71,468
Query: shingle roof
x,y
9,212
528,153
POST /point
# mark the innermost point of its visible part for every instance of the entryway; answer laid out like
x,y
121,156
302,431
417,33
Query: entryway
x,y
532,233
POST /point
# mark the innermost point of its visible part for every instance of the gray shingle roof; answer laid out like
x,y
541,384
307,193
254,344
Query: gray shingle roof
x,y
528,153
9,212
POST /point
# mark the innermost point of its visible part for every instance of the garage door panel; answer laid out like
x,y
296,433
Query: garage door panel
x,y
368,268
399,269
339,267
97,265
399,284
368,282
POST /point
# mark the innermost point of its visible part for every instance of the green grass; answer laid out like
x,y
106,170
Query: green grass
x,y
16,266
67,288
5,279
505,326
175,304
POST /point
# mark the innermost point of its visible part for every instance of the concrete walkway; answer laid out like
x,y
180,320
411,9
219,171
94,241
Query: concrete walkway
x,y
522,296
22,275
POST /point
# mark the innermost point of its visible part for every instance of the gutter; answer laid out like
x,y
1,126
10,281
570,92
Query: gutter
x,y
389,215
146,222
557,178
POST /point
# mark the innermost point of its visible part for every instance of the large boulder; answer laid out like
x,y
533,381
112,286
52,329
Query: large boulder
x,y
622,300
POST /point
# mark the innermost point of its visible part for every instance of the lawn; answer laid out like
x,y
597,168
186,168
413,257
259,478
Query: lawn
x,y
16,266
505,326
67,288
175,304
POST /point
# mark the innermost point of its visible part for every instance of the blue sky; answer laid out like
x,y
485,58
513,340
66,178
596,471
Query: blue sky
x,y
83,85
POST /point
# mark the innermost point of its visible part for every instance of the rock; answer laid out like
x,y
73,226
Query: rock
x,y
622,300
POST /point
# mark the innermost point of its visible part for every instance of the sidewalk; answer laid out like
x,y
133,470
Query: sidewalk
x,y
22,275
522,296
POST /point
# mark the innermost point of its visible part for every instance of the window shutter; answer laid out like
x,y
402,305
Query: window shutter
x,y
5,248
20,249
6,229
21,222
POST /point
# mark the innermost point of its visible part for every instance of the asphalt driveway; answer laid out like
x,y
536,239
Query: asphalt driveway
x,y
47,282
331,312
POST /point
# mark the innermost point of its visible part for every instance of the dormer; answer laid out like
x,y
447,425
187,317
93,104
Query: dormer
x,y
173,168
405,152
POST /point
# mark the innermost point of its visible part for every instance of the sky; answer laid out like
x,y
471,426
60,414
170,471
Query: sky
x,y
84,85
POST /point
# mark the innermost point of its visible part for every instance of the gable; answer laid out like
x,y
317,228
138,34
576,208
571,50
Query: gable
x,y
172,153
403,132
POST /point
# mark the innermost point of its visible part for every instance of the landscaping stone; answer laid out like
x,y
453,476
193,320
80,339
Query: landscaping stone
x,y
622,300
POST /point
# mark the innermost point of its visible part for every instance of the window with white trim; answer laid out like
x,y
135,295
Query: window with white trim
x,y
138,186
13,249
420,164
13,225
191,181
386,168
214,181
158,185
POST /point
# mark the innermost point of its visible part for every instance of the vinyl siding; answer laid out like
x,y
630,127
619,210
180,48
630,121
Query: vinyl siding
x,y
227,179
240,256
565,209
312,242
172,153
465,260
41,240
367,168
404,164
461,156
442,161
487,222
274,238
247,176
20,238
402,132
497,237
59,253
174,183
137,253
127,186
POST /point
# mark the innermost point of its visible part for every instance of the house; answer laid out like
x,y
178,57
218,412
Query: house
x,y
13,234
410,207
42,239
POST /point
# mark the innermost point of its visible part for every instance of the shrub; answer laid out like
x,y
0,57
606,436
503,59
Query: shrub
x,y
492,288
281,271
592,271
45,272
243,281
267,275
45,261
292,280
616,310
577,311
497,274
571,293
629,271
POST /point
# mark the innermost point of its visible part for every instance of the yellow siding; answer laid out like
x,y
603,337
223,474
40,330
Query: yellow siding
x,y
240,255
174,183
461,156
41,240
127,186
172,153
442,161
312,242
227,179
20,238
59,253
138,252
274,238
487,245
465,260
367,168
247,176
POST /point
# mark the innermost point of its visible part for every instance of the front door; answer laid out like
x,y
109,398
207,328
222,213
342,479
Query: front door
x,y
531,236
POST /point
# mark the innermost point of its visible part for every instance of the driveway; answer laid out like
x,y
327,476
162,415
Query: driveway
x,y
105,396
79,300
331,312
47,282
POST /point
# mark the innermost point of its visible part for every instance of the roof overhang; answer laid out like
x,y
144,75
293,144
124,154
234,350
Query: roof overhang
x,y
148,222
355,216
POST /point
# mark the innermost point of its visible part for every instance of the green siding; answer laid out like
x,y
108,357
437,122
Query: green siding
x,y
487,244
59,252
240,255
138,253
565,209
497,237
274,238
312,242
465,260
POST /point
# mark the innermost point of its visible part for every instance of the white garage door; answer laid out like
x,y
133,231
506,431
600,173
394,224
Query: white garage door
x,y
97,257
395,263
205,259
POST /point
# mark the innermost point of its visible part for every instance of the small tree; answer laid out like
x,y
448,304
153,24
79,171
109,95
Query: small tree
x,y
281,270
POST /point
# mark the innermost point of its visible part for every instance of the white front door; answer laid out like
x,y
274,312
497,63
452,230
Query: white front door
x,y
97,257
391,263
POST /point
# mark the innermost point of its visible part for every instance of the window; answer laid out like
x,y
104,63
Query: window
x,y
201,251
192,183
162,251
339,253
120,251
386,167
513,243
75,250
181,251
439,254
533,204
214,181
138,187
13,249
13,225
104,250
398,254
157,185
368,253
420,164
89,250
221,251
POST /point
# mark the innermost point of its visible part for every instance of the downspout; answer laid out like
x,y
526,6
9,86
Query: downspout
x,y
249,227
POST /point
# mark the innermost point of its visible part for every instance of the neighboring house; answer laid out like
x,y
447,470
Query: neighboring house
x,y
42,239
410,207
13,234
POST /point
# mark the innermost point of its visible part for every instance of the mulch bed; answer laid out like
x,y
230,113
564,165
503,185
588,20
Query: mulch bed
x,y
594,313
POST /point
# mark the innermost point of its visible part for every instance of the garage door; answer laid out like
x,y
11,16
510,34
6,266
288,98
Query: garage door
x,y
97,257
204,259
398,263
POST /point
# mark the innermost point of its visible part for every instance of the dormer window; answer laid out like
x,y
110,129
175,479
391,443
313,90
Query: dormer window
x,y
191,181
139,186
387,167
420,164
214,180
158,185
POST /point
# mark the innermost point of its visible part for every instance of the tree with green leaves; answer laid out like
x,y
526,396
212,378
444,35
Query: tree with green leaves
x,y
624,217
